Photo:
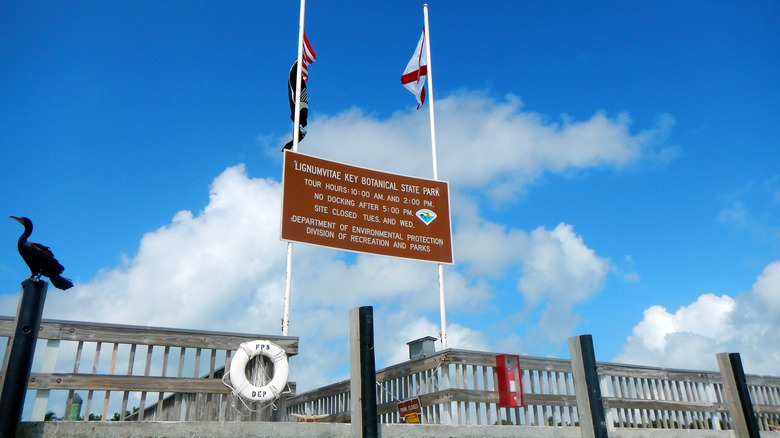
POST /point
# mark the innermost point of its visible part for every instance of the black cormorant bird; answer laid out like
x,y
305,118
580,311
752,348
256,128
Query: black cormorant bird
x,y
40,258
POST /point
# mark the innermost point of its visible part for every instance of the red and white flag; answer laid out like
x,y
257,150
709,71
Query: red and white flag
x,y
308,57
414,75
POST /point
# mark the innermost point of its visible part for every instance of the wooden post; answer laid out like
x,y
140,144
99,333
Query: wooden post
x,y
362,373
17,373
738,396
590,408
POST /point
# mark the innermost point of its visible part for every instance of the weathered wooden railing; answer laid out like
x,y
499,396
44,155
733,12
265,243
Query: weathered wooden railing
x,y
651,397
138,373
459,387
662,398
455,387
154,374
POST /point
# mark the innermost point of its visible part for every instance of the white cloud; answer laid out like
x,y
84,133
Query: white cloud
x,y
631,277
707,316
560,267
767,289
560,271
201,266
753,208
691,336
555,269
484,144
223,268
398,328
736,213
627,270
489,249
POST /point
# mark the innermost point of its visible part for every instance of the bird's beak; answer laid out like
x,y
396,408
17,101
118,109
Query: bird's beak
x,y
17,219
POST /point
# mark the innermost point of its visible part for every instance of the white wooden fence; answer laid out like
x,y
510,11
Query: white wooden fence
x,y
459,387
176,375
139,373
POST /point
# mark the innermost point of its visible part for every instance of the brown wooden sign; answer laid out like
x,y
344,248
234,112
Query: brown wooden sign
x,y
355,209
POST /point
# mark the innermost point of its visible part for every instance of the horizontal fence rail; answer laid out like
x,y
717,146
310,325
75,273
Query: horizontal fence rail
x,y
120,372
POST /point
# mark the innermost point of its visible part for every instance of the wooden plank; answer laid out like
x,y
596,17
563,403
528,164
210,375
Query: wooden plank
x,y
590,404
661,405
641,372
126,394
479,396
95,364
104,382
322,428
767,409
356,405
766,381
110,372
42,397
147,368
76,364
127,334
738,396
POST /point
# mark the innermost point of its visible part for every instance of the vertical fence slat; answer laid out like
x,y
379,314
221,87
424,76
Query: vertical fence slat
x,y
110,373
147,369
95,361
126,394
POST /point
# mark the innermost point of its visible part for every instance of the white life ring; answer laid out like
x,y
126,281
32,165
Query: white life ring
x,y
239,381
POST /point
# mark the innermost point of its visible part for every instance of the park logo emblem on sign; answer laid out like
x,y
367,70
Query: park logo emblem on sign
x,y
425,215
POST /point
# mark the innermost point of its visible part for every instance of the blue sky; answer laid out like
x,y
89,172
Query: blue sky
x,y
613,170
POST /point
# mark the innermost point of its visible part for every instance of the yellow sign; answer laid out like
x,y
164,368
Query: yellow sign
x,y
413,418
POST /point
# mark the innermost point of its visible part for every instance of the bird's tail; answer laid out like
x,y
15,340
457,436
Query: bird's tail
x,y
61,282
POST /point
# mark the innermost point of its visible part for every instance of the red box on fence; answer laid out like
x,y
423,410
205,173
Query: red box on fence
x,y
510,380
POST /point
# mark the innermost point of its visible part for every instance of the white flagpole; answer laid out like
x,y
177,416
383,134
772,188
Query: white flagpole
x,y
442,309
287,291
298,81
430,89
296,129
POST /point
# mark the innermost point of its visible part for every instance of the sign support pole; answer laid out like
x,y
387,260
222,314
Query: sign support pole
x,y
442,309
